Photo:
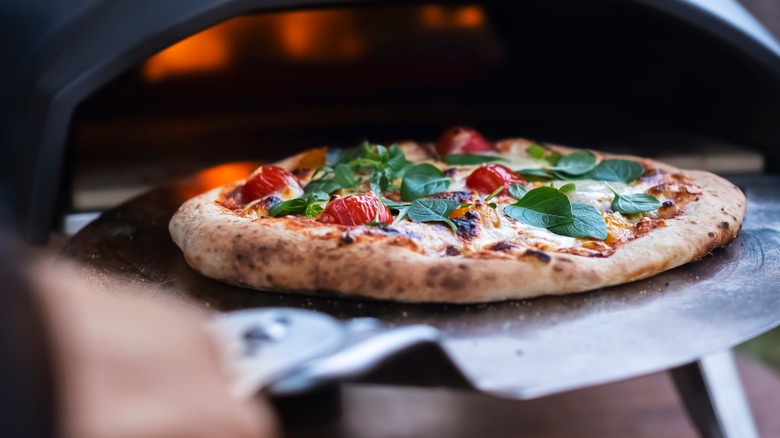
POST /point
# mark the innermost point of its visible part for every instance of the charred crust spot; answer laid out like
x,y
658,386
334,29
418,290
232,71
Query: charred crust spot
x,y
347,238
501,246
239,257
269,278
462,197
711,234
541,255
467,225
557,268
724,225
451,172
451,251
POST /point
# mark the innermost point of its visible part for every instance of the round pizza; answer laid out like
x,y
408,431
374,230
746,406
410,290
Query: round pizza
x,y
463,220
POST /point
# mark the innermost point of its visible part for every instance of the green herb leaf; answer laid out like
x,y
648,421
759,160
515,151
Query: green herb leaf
x,y
553,158
321,185
542,207
307,206
576,163
568,188
342,155
534,174
378,182
636,203
587,222
495,192
616,171
517,191
401,208
536,151
422,180
344,176
467,159
433,210
397,162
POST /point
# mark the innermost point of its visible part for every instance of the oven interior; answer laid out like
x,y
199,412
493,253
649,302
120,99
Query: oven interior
x,y
607,75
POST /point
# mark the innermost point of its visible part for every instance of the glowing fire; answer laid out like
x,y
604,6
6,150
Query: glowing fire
x,y
316,35
438,16
205,52
313,36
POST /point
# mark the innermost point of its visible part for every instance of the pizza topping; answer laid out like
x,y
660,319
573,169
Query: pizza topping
x,y
271,180
355,210
460,140
487,178
632,204
481,197
307,206
470,159
422,180
467,225
616,171
461,196
433,210
548,207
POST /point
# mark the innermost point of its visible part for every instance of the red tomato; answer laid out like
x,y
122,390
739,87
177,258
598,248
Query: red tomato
x,y
460,140
270,180
355,210
488,177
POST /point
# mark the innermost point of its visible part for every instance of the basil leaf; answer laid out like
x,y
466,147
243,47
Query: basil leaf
x,y
637,203
306,205
616,171
466,159
342,155
494,194
433,210
534,174
422,180
568,188
312,210
401,208
576,163
397,162
536,151
553,158
378,182
542,207
587,222
344,176
517,191
321,185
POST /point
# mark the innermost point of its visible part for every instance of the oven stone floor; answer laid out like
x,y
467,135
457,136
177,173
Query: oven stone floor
x,y
643,407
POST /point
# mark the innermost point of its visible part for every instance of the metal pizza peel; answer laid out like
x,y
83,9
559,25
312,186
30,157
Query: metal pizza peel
x,y
678,320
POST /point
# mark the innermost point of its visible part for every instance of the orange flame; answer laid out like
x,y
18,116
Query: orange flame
x,y
204,52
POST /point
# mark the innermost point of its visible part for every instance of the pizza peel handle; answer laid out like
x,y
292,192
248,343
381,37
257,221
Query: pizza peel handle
x,y
285,351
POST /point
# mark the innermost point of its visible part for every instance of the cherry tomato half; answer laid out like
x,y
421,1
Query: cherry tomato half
x,y
271,180
488,177
355,210
460,140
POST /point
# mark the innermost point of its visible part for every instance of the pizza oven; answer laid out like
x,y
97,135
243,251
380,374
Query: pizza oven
x,y
103,100
123,95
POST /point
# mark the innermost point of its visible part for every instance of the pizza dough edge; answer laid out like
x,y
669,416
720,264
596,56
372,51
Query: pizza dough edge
x,y
267,256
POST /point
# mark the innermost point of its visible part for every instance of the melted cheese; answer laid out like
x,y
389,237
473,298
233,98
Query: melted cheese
x,y
494,226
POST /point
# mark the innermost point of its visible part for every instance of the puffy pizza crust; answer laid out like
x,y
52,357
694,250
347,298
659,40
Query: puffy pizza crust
x,y
282,255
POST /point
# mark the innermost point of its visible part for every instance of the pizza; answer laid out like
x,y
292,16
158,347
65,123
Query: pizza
x,y
463,220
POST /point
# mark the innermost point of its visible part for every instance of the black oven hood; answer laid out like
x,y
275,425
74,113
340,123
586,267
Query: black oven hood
x,y
704,65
